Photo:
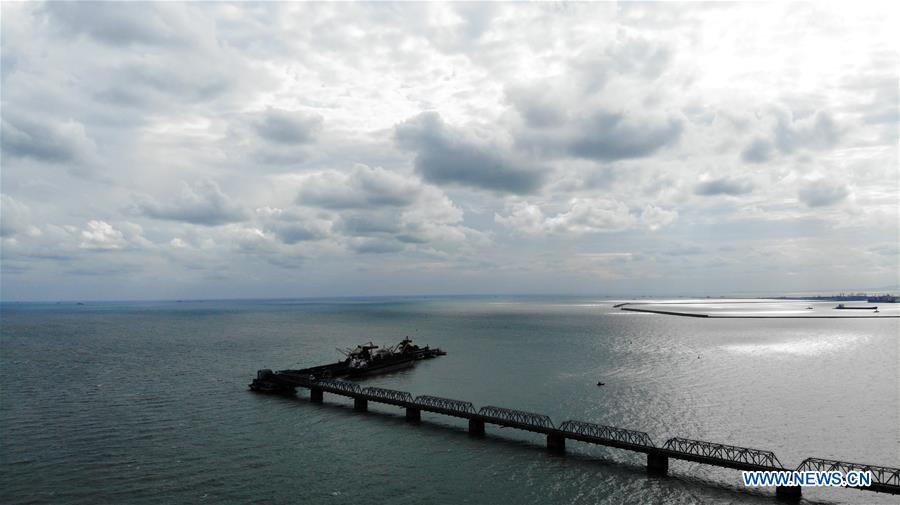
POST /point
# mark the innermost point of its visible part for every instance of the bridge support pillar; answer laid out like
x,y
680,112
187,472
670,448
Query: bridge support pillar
x,y
556,443
657,464
476,427
360,404
316,395
413,415
788,493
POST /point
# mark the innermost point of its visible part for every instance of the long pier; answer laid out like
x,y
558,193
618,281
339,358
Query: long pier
x,y
629,307
884,479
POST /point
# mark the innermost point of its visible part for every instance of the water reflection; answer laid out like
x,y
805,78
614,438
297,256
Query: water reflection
x,y
801,347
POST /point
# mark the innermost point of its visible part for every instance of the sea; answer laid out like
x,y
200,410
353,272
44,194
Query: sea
x,y
147,402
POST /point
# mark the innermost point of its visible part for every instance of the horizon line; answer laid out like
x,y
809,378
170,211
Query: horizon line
x,y
737,295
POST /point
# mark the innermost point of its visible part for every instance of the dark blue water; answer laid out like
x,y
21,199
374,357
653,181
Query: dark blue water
x,y
148,402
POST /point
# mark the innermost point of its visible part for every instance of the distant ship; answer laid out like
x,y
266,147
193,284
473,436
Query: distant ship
x,y
842,306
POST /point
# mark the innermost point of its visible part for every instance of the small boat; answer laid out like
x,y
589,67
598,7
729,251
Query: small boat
x,y
601,383
844,307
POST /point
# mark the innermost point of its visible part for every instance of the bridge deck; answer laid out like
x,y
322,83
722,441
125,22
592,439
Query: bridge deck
x,y
886,479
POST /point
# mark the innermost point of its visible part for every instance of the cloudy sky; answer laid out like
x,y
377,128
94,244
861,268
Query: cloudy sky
x,y
273,149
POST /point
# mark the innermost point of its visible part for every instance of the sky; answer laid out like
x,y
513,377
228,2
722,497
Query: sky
x,y
267,150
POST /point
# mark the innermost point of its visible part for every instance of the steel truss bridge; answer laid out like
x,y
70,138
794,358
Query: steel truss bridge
x,y
884,479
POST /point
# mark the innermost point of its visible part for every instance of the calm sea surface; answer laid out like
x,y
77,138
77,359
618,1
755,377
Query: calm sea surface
x,y
148,402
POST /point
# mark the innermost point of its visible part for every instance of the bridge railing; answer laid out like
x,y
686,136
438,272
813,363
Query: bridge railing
x,y
607,432
724,452
347,387
883,475
445,403
388,394
518,416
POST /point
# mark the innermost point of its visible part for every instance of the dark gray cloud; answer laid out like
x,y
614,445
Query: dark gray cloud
x,y
408,238
539,108
374,210
594,110
684,250
148,57
628,55
363,187
723,186
889,116
759,151
613,136
370,224
202,203
815,132
292,227
120,24
818,131
886,249
376,246
292,233
48,141
154,81
640,56
288,127
7,268
882,93
822,193
106,270
445,156
289,157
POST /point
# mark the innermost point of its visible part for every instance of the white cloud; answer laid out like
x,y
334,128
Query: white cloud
x,y
655,218
15,218
582,216
238,146
102,236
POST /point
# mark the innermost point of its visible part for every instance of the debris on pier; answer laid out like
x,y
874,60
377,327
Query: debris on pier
x,y
365,359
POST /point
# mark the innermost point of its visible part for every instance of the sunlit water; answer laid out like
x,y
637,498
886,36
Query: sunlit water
x,y
148,402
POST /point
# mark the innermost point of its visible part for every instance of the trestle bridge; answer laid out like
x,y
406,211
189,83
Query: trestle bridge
x,y
884,479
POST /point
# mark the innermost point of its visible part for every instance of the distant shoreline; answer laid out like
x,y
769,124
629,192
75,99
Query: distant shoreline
x,y
622,306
